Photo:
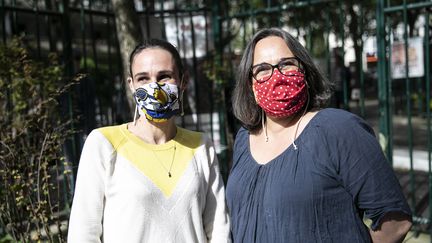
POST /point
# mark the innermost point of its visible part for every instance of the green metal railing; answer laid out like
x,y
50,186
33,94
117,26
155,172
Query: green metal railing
x,y
413,87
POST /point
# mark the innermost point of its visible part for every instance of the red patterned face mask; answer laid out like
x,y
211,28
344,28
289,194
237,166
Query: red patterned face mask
x,y
283,94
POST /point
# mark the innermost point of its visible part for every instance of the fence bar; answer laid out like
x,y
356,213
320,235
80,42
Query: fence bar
x,y
327,43
389,84
38,41
244,42
95,79
110,69
195,72
83,36
178,46
52,43
93,43
277,9
360,66
3,19
14,8
147,17
384,119
162,16
210,82
342,65
280,16
428,109
67,57
407,6
14,18
185,11
221,109
253,20
408,109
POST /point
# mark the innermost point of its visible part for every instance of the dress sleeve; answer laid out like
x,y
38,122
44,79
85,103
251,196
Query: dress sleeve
x,y
215,216
365,172
85,223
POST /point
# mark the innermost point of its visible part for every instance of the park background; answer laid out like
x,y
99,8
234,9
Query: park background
x,y
63,65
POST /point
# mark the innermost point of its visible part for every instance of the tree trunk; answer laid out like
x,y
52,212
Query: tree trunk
x,y
129,35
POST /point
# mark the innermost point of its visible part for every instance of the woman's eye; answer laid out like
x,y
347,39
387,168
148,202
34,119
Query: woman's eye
x,y
287,66
287,63
259,69
165,77
141,79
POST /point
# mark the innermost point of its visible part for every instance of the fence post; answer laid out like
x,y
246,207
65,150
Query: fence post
x,y
220,87
384,116
70,146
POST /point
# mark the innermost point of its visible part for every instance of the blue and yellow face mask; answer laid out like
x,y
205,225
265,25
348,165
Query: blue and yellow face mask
x,y
157,101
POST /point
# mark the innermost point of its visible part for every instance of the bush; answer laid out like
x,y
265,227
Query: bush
x,y
33,170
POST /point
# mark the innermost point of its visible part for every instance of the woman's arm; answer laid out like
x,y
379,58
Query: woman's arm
x,y
394,227
370,179
85,223
215,216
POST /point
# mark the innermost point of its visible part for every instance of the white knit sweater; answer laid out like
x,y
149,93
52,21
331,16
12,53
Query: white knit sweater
x,y
123,192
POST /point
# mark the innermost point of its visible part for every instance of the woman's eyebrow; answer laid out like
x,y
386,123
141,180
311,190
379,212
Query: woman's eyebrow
x,y
140,74
165,72
259,64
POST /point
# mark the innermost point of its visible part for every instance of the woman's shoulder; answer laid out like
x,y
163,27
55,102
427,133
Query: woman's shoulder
x,y
192,139
340,121
190,133
109,135
242,133
334,114
241,138
111,132
337,117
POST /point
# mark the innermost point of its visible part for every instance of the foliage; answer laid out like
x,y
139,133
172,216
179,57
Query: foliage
x,y
32,166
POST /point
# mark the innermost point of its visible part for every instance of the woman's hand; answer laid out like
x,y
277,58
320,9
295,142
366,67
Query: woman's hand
x,y
394,227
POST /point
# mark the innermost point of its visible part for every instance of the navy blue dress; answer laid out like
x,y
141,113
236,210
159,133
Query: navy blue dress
x,y
317,193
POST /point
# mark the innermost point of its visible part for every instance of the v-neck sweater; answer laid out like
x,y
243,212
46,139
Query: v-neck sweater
x,y
123,192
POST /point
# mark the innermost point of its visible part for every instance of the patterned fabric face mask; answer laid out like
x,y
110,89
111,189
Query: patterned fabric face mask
x,y
283,94
158,102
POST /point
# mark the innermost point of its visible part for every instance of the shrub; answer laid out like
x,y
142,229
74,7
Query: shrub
x,y
33,170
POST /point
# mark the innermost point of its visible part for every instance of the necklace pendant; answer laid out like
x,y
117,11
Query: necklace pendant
x,y
169,174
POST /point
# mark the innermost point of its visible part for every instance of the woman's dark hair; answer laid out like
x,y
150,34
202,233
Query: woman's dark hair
x,y
157,43
245,107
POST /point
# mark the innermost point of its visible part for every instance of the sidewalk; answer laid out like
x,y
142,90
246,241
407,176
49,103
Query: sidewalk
x,y
401,159
413,238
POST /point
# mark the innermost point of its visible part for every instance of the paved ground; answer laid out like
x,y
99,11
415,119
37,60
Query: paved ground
x,y
413,237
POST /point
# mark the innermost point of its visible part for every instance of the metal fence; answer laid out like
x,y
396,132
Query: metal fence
x,y
210,40
405,100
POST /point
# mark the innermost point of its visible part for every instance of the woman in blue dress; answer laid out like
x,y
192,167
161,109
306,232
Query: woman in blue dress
x,y
302,173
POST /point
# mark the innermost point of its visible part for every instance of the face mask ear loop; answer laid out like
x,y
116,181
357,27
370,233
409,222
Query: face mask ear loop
x,y
135,115
298,123
264,125
181,104
181,96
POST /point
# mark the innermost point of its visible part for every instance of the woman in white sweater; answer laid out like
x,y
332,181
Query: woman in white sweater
x,y
149,180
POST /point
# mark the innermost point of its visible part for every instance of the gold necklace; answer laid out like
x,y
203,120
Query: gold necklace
x,y
172,160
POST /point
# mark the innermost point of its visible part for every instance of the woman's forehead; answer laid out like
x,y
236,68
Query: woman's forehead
x,y
270,50
153,60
